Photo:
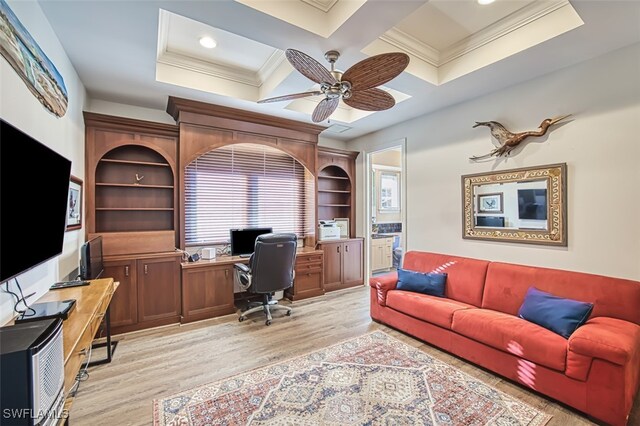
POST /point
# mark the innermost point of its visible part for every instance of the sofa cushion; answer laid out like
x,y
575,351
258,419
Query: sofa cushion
x,y
433,309
513,335
507,284
562,316
465,276
427,283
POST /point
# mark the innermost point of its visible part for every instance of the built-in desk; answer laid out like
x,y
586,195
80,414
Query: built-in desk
x,y
207,285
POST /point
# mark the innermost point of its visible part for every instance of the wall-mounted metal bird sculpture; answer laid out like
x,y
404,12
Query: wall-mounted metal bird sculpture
x,y
508,140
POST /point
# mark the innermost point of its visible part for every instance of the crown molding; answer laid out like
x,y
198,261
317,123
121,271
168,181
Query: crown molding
x,y
501,28
323,5
269,67
412,46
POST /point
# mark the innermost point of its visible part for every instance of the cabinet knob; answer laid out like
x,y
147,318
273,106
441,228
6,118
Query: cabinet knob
x,y
338,247
346,248
126,271
146,269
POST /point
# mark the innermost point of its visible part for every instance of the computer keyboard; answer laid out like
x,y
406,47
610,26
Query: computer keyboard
x,y
66,284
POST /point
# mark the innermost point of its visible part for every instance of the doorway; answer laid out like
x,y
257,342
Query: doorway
x,y
386,208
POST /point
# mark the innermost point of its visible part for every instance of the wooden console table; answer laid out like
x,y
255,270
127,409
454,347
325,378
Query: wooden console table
x,y
207,285
92,302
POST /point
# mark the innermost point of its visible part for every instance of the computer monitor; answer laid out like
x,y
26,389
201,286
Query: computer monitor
x,y
244,240
91,266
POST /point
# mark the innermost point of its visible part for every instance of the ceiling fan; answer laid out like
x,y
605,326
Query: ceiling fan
x,y
356,86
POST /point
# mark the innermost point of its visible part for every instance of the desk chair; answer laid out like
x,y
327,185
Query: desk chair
x,y
270,269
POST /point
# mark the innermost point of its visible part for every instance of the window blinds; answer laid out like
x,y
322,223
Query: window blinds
x,y
243,186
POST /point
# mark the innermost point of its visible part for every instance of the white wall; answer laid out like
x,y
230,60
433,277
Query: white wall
x,y
64,135
600,147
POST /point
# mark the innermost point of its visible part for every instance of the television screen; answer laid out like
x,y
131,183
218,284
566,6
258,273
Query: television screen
x,y
532,204
91,266
492,221
34,182
244,240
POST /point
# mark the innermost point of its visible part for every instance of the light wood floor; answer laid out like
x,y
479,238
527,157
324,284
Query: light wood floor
x,y
155,364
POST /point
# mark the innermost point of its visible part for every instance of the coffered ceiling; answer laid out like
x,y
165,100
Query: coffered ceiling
x,y
141,52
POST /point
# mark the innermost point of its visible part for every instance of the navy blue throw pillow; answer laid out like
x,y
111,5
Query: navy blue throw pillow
x,y
562,316
429,283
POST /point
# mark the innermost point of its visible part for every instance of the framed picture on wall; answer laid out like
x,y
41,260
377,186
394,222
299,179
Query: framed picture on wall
x,y
74,207
490,203
343,224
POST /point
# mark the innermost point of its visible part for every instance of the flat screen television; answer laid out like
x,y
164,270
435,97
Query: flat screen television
x,y
91,266
532,204
33,179
244,240
492,221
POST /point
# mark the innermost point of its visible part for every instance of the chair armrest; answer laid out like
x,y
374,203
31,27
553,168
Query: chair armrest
x,y
242,267
383,284
611,339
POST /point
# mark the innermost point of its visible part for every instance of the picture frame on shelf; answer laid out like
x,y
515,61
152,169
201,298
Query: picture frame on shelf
x,y
343,224
74,205
490,203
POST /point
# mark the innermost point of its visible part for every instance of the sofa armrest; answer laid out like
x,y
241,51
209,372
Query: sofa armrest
x,y
383,284
611,339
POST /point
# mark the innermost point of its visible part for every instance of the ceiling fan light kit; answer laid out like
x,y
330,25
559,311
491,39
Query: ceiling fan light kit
x,y
357,86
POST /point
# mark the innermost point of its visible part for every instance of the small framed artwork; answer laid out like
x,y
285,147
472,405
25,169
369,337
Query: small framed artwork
x,y
490,203
343,224
74,207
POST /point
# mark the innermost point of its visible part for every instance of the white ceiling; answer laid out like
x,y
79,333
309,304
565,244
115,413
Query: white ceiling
x,y
141,52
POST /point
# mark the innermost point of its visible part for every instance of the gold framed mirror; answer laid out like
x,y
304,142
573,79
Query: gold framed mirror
x,y
527,205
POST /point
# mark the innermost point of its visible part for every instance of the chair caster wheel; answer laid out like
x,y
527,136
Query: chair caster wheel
x,y
288,313
268,322
240,319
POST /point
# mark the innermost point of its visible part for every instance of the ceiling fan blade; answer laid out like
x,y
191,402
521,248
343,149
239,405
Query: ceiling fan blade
x,y
376,70
324,109
288,97
309,67
370,100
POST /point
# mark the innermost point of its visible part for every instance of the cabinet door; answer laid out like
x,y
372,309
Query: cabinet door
x,y
352,263
332,265
387,253
124,304
158,288
376,255
207,292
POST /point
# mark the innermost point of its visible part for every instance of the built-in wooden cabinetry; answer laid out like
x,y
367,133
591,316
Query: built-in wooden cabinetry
x,y
343,259
131,181
308,276
149,294
336,185
381,253
207,289
343,266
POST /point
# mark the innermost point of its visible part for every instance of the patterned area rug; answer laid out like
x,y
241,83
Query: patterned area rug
x,y
370,380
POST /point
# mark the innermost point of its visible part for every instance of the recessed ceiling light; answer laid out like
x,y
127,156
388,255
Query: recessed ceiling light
x,y
208,42
483,2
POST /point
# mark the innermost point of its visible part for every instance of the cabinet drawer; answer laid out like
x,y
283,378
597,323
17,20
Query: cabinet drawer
x,y
308,281
304,271
308,266
315,258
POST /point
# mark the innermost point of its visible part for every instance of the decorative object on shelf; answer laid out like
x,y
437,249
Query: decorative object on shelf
x,y
533,201
138,179
29,61
343,224
356,86
490,203
507,140
74,209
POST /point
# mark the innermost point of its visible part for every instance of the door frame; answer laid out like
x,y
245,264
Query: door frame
x,y
367,211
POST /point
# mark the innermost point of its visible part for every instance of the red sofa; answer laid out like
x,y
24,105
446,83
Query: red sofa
x,y
595,371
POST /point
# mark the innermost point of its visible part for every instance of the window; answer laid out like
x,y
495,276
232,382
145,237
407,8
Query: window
x,y
389,191
243,186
